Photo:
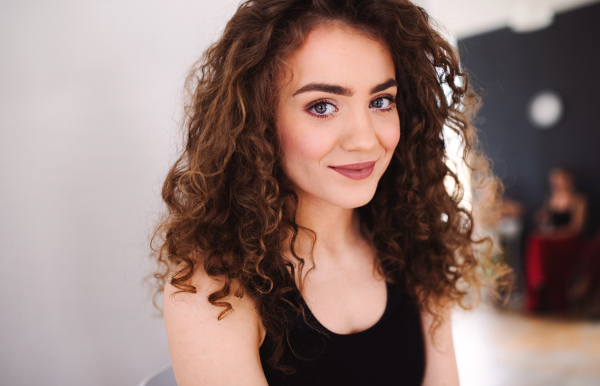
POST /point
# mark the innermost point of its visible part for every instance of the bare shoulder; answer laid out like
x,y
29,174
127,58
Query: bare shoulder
x,y
206,350
441,368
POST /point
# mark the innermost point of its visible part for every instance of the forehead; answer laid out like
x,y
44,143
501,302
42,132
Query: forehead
x,y
339,54
560,174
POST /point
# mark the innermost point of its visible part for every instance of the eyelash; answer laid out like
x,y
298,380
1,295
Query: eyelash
x,y
391,98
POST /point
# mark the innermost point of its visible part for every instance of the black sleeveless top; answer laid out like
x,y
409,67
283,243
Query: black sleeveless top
x,y
391,352
560,219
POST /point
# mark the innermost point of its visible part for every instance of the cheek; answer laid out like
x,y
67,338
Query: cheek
x,y
304,144
389,136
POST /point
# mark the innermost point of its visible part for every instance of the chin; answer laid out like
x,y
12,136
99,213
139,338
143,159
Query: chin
x,y
353,199
342,195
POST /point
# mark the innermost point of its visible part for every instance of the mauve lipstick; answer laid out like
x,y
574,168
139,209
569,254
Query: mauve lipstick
x,y
357,171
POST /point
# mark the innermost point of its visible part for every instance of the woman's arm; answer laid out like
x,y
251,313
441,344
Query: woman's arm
x,y
579,215
440,361
208,351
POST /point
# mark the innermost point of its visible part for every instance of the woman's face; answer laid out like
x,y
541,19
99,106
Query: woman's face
x,y
337,110
560,181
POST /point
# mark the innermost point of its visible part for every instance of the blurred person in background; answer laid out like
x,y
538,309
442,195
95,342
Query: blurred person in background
x,y
554,250
564,211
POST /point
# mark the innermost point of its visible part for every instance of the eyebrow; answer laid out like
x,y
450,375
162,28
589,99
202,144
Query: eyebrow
x,y
329,88
384,86
340,90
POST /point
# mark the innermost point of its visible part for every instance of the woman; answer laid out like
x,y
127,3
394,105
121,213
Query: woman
x,y
310,239
554,251
564,211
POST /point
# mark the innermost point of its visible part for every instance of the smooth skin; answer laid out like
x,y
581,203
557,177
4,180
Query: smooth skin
x,y
338,108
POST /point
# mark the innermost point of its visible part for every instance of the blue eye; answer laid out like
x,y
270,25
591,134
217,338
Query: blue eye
x,y
382,103
322,109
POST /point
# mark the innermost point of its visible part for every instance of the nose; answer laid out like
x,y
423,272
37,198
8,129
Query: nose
x,y
359,132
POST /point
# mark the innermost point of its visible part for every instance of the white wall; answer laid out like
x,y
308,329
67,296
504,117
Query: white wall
x,y
470,17
89,92
88,96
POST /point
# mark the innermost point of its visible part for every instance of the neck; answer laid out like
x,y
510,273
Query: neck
x,y
336,228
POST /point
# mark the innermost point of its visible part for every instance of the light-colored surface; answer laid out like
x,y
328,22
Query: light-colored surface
x,y
509,349
87,106
463,18
163,377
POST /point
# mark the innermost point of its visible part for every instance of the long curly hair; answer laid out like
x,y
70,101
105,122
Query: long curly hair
x,y
231,208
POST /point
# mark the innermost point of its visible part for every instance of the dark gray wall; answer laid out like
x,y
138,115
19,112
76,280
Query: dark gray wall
x,y
508,68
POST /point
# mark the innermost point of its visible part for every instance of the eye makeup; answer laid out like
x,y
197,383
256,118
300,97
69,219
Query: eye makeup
x,y
311,107
314,104
390,98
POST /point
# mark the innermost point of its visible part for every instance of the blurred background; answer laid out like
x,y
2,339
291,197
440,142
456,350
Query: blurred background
x,y
89,111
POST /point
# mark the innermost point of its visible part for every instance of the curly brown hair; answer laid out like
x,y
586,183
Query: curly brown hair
x,y
231,208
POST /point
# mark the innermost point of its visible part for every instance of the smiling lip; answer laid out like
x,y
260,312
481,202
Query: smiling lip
x,y
356,171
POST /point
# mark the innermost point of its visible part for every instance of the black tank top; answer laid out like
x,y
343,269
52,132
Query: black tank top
x,y
560,219
391,352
